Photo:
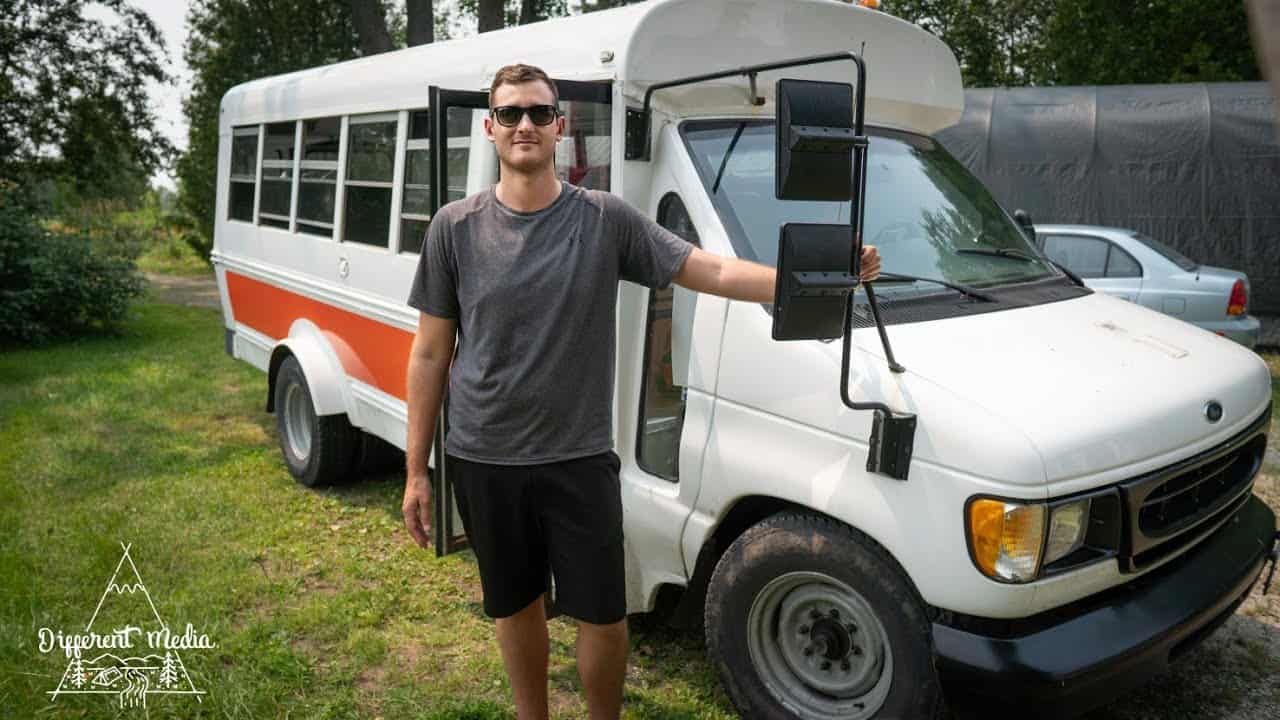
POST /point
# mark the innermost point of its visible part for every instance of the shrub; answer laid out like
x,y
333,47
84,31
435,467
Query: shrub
x,y
55,285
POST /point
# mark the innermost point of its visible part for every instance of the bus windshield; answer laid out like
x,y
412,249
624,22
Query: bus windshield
x,y
927,215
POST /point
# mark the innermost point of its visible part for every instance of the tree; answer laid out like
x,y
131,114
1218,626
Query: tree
x,y
233,41
421,22
1101,42
168,671
370,21
59,69
996,42
491,15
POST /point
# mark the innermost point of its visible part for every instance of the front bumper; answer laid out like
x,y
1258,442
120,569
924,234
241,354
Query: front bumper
x,y
1087,656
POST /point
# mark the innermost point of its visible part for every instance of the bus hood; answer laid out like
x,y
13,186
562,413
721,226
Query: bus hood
x,y
1095,383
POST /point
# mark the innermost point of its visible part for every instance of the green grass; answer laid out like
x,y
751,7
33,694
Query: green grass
x,y
1273,362
171,256
319,604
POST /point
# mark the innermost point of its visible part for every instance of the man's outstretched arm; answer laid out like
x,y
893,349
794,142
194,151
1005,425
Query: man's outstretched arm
x,y
744,280
429,361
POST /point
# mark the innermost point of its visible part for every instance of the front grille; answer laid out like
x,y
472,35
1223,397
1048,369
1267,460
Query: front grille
x,y
1177,506
1195,494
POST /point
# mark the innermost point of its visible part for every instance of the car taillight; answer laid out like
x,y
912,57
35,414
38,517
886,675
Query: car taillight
x,y
1239,299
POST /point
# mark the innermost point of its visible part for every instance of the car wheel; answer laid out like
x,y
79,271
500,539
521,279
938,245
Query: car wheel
x,y
809,618
318,449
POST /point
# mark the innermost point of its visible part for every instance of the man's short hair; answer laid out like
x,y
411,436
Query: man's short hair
x,y
520,73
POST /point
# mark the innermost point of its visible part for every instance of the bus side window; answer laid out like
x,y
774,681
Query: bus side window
x,y
582,157
371,162
244,173
415,208
277,174
662,400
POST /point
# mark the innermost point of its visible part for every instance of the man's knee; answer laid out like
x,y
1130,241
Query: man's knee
x,y
609,630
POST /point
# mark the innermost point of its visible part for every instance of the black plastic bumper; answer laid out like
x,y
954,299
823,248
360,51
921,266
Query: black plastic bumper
x,y
1090,658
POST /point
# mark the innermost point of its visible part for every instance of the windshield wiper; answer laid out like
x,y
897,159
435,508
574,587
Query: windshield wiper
x,y
1000,252
962,289
724,162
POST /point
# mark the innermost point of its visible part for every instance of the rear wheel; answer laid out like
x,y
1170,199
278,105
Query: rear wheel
x,y
808,618
318,449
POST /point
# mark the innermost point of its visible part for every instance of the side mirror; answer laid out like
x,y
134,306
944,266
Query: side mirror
x,y
814,136
1023,219
817,264
814,282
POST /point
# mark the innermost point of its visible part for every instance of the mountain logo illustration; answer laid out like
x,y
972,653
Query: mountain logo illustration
x,y
128,672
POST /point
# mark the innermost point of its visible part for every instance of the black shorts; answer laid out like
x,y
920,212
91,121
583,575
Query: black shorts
x,y
526,523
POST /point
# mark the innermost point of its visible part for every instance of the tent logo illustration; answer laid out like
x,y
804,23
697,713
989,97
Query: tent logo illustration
x,y
130,662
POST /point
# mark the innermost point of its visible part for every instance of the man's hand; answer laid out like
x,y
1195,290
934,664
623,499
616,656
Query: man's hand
x,y
870,263
416,509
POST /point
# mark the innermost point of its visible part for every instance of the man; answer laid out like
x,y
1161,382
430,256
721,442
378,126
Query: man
x,y
524,276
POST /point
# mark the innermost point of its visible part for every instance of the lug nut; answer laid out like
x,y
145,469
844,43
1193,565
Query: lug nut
x,y
826,664
857,651
851,628
808,651
814,614
835,613
844,665
804,629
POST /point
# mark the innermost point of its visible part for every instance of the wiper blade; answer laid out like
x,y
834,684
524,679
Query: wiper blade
x,y
1000,252
962,289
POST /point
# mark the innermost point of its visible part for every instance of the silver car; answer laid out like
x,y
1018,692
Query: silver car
x,y
1141,269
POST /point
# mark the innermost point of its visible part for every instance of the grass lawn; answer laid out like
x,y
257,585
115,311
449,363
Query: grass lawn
x,y
318,603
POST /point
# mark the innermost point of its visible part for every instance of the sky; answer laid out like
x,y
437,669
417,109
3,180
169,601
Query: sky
x,y
170,16
166,100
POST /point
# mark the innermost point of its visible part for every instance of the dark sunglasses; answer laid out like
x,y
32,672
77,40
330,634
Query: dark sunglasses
x,y
509,115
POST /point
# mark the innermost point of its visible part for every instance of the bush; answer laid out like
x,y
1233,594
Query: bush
x,y
56,285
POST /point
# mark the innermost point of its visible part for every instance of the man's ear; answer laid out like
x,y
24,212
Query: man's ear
x,y
560,122
488,127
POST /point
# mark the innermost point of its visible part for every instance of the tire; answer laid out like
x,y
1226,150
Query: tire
x,y
797,582
378,457
318,449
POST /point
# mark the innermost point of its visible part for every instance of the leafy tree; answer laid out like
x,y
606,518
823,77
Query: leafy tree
x,y
1088,42
233,41
1104,42
997,42
62,75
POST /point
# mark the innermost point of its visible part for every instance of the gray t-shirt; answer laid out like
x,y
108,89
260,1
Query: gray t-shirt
x,y
534,295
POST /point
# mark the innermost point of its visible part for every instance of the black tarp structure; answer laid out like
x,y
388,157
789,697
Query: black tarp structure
x,y
1196,165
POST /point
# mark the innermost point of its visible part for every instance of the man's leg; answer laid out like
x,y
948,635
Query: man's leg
x,y
602,666
523,640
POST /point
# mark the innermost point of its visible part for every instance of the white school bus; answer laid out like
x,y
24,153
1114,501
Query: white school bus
x,y
1003,485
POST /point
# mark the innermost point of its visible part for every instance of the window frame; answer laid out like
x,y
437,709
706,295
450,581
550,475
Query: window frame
x,y
254,131
664,206
322,166
407,144
292,165
344,161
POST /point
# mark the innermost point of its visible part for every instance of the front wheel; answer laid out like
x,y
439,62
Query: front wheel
x,y
808,618
318,449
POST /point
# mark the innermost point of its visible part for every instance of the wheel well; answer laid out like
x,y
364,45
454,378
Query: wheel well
x,y
747,511
278,356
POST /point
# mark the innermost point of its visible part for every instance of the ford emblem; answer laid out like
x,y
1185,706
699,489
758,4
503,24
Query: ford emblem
x,y
1213,411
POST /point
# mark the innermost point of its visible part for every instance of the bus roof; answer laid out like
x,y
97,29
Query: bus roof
x,y
913,80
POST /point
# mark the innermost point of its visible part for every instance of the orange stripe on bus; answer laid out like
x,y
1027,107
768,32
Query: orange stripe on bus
x,y
370,351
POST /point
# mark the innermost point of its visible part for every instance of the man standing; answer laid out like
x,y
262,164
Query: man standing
x,y
524,277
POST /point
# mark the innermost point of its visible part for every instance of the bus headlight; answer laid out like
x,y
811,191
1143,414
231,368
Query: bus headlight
x,y
1067,525
1006,538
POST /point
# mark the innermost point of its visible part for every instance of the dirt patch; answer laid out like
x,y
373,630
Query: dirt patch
x,y
178,290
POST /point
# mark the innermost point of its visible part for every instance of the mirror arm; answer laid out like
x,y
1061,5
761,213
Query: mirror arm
x,y
643,152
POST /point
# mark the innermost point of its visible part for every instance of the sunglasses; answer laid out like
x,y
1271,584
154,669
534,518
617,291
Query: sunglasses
x,y
509,115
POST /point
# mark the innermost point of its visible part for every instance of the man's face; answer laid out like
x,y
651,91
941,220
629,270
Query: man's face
x,y
525,147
